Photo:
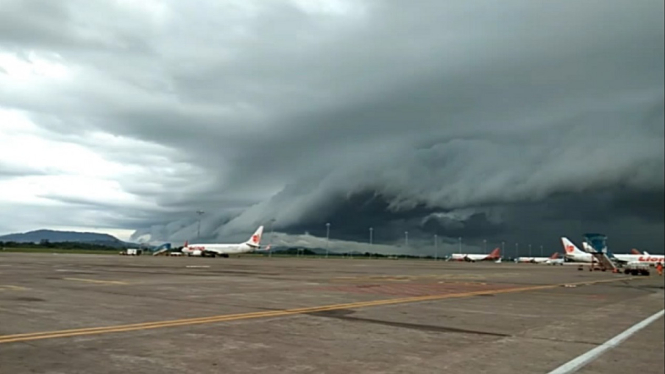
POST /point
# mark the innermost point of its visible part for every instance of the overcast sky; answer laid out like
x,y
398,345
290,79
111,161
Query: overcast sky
x,y
515,121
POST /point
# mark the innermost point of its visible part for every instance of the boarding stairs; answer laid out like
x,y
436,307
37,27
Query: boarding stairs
x,y
596,245
604,262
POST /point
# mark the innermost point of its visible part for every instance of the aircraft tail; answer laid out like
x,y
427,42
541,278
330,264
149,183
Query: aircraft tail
x,y
255,239
555,255
634,252
587,247
496,253
570,247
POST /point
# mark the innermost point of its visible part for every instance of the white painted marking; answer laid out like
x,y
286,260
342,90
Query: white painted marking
x,y
73,271
198,266
579,362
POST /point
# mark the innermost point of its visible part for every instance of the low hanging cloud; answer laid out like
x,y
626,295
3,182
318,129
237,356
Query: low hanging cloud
x,y
508,121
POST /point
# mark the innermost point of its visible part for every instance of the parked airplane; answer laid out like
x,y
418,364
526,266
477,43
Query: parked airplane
x,y
575,254
494,255
630,258
555,261
224,250
537,260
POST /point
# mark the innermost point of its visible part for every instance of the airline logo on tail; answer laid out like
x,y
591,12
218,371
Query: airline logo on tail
x,y
569,247
255,239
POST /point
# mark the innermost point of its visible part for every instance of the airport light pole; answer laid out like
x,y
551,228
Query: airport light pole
x,y
541,251
198,230
272,233
460,244
517,250
503,249
406,238
530,255
371,230
327,238
484,246
436,248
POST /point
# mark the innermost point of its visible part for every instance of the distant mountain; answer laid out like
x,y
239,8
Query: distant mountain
x,y
65,236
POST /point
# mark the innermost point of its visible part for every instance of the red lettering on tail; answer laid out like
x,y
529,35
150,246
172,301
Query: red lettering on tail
x,y
255,238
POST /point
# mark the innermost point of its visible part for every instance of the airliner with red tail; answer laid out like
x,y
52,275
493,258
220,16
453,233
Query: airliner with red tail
x,y
224,250
494,255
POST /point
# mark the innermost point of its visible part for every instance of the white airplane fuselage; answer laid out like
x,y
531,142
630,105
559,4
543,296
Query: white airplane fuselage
x,y
494,255
220,249
536,260
642,259
470,257
224,249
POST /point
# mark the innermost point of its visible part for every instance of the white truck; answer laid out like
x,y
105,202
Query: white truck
x,y
636,268
131,252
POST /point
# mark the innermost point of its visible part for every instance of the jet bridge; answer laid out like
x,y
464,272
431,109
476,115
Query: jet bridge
x,y
161,249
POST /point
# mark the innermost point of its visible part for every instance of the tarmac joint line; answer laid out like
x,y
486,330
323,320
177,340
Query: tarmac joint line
x,y
96,281
12,288
268,314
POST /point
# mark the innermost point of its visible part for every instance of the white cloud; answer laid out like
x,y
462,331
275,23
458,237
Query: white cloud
x,y
90,178
32,68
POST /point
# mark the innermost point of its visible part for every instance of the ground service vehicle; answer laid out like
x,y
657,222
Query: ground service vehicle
x,y
637,268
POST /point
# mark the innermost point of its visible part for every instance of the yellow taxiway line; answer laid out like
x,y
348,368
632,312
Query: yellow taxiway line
x,y
268,314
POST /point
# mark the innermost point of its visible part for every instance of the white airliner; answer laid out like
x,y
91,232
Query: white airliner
x,y
224,250
645,258
575,254
537,260
555,261
494,255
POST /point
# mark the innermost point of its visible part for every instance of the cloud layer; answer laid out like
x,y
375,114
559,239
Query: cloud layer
x,y
506,121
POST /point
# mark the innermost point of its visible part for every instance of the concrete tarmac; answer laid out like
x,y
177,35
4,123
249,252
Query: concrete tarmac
x,y
67,313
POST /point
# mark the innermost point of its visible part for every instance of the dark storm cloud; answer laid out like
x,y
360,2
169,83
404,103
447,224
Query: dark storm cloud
x,y
507,121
